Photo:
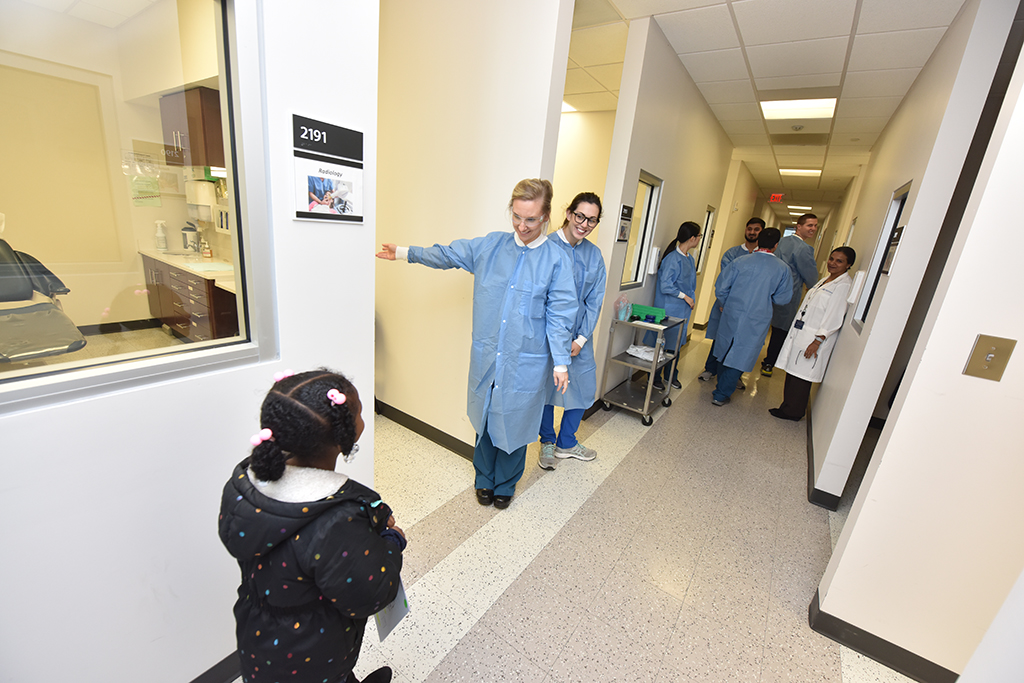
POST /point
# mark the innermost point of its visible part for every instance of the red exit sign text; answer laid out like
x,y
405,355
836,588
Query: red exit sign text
x,y
775,198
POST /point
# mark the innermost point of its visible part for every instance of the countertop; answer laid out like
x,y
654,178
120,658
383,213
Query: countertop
x,y
224,278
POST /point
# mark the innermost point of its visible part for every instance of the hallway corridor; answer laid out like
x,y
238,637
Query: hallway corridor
x,y
686,551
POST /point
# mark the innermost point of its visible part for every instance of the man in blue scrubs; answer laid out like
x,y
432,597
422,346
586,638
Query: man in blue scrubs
x,y
524,308
797,253
747,288
754,227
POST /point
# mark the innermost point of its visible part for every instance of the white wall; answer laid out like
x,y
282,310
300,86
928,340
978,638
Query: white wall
x,y
470,99
924,143
113,560
932,545
584,144
663,126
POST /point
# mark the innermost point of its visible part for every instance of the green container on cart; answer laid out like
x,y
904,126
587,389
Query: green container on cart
x,y
641,312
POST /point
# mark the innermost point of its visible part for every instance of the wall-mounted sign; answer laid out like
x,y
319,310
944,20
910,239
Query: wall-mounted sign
x,y
328,171
775,198
625,221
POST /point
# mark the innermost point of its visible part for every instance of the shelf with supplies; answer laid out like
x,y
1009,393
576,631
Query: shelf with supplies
x,y
637,396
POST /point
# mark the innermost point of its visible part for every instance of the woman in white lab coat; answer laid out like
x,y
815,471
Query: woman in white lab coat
x,y
812,336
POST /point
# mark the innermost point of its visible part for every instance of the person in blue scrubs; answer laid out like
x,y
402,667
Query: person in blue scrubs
x,y
754,227
677,285
797,253
747,288
582,216
319,190
524,309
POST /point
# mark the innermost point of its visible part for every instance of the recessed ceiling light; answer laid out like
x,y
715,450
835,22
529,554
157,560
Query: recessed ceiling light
x,y
805,208
796,213
799,109
566,108
806,172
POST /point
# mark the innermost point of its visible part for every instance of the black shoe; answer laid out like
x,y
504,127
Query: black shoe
x,y
484,496
777,412
766,370
381,675
658,385
676,384
502,502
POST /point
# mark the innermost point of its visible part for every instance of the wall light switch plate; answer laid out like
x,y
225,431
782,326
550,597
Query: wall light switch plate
x,y
989,357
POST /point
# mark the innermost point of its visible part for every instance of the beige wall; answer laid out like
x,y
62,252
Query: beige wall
x,y
662,126
584,143
456,134
925,143
932,546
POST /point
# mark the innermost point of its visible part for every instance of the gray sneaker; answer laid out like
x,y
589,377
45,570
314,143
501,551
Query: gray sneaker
x,y
547,456
740,386
705,376
579,451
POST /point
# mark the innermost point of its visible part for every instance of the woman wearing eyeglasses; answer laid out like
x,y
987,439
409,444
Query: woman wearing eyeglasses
x,y
524,307
677,285
582,216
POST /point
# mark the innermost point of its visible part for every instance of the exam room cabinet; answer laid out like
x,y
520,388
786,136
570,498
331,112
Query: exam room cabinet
x,y
192,128
191,306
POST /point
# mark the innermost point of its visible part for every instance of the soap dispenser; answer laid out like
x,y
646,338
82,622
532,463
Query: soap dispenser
x,y
205,247
161,236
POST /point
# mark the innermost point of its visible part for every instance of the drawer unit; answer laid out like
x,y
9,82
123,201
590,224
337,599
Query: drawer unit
x,y
190,305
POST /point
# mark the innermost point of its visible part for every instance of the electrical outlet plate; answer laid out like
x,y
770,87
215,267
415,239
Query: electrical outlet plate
x,y
989,357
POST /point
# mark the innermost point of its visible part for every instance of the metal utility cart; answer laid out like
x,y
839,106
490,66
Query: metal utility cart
x,y
637,396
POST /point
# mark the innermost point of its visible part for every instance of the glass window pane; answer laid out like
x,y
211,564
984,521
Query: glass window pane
x,y
119,229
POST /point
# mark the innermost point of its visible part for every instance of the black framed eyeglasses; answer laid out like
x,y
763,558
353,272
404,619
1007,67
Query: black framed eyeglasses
x,y
583,218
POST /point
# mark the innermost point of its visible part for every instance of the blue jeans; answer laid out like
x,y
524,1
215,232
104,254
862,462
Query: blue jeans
x,y
727,380
566,432
496,469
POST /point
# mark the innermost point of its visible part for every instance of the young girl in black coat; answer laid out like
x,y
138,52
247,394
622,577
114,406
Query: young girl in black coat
x,y
319,552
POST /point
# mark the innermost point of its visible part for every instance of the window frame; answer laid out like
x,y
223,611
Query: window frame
x,y
247,133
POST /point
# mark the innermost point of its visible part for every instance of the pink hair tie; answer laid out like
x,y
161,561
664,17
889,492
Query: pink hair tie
x,y
278,376
261,436
336,397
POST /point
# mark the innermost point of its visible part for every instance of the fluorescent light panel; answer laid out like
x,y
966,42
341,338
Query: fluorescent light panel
x,y
804,172
805,208
799,109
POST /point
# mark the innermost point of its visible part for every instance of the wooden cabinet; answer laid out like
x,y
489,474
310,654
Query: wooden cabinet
x,y
191,126
192,306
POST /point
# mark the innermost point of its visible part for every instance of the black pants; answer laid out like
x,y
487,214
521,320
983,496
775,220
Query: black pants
x,y
775,343
795,396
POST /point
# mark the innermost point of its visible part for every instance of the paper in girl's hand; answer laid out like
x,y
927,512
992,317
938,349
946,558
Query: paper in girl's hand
x,y
387,619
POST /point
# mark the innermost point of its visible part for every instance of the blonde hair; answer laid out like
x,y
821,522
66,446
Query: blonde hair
x,y
530,189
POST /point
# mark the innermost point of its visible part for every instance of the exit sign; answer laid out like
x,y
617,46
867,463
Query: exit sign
x,y
775,198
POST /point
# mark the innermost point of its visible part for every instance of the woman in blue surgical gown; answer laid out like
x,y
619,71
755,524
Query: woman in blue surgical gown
x,y
677,285
582,216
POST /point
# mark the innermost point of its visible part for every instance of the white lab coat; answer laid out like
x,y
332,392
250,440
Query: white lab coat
x,y
823,311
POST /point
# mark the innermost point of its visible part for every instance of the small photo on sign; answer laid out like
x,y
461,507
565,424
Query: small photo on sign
x,y
327,195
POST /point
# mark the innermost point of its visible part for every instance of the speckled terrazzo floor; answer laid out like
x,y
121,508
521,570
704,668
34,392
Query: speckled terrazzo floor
x,y
686,552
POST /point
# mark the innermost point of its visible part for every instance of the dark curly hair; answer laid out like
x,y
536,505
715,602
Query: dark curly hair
x,y
303,420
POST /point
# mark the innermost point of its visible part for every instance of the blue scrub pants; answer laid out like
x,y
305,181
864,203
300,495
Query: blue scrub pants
x,y
566,431
711,364
495,469
727,380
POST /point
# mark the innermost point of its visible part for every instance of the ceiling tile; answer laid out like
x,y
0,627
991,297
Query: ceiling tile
x,y
737,112
127,8
579,81
608,75
770,21
748,139
810,126
761,153
791,82
600,101
97,15
743,127
598,45
885,83
798,59
885,15
727,92
896,50
54,5
593,13
699,30
804,151
799,182
874,124
633,9
719,65
861,107
861,141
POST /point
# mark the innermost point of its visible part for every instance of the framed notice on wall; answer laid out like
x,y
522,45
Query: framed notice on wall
x,y
328,171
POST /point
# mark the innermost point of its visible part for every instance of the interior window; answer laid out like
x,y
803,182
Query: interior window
x,y
645,211
118,217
